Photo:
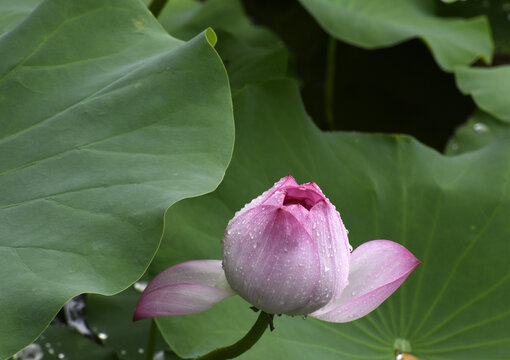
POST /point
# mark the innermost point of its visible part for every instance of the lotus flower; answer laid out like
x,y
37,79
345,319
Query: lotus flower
x,y
286,252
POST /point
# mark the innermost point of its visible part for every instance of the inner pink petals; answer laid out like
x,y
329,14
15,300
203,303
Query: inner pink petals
x,y
377,269
303,196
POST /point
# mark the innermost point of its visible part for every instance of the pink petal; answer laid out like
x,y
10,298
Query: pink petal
x,y
272,262
302,195
326,228
273,196
377,269
186,288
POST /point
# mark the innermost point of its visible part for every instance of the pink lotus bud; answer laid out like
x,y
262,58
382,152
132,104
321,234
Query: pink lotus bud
x,y
287,251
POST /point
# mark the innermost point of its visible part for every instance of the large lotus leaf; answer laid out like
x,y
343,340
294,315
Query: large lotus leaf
x,y
374,24
251,53
480,130
489,87
13,11
451,212
497,11
105,122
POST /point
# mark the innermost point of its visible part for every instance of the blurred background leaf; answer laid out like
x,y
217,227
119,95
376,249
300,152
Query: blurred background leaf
x,y
372,24
250,53
480,130
489,87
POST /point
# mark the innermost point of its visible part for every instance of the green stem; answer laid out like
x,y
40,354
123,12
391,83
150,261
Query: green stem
x,y
153,339
156,6
243,345
329,87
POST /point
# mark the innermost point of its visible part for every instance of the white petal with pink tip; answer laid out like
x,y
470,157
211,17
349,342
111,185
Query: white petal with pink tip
x,y
377,269
186,288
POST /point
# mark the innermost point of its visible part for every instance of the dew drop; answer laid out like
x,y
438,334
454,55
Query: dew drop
x,y
51,351
123,352
61,356
479,127
31,352
160,355
454,146
140,286
229,232
141,350
102,336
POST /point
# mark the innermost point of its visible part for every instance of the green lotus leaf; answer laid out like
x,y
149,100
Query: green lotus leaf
x,y
498,13
251,53
480,130
451,212
13,11
105,122
489,87
373,24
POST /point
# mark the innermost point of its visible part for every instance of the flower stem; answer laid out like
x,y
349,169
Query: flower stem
x,y
329,83
153,339
243,345
156,6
